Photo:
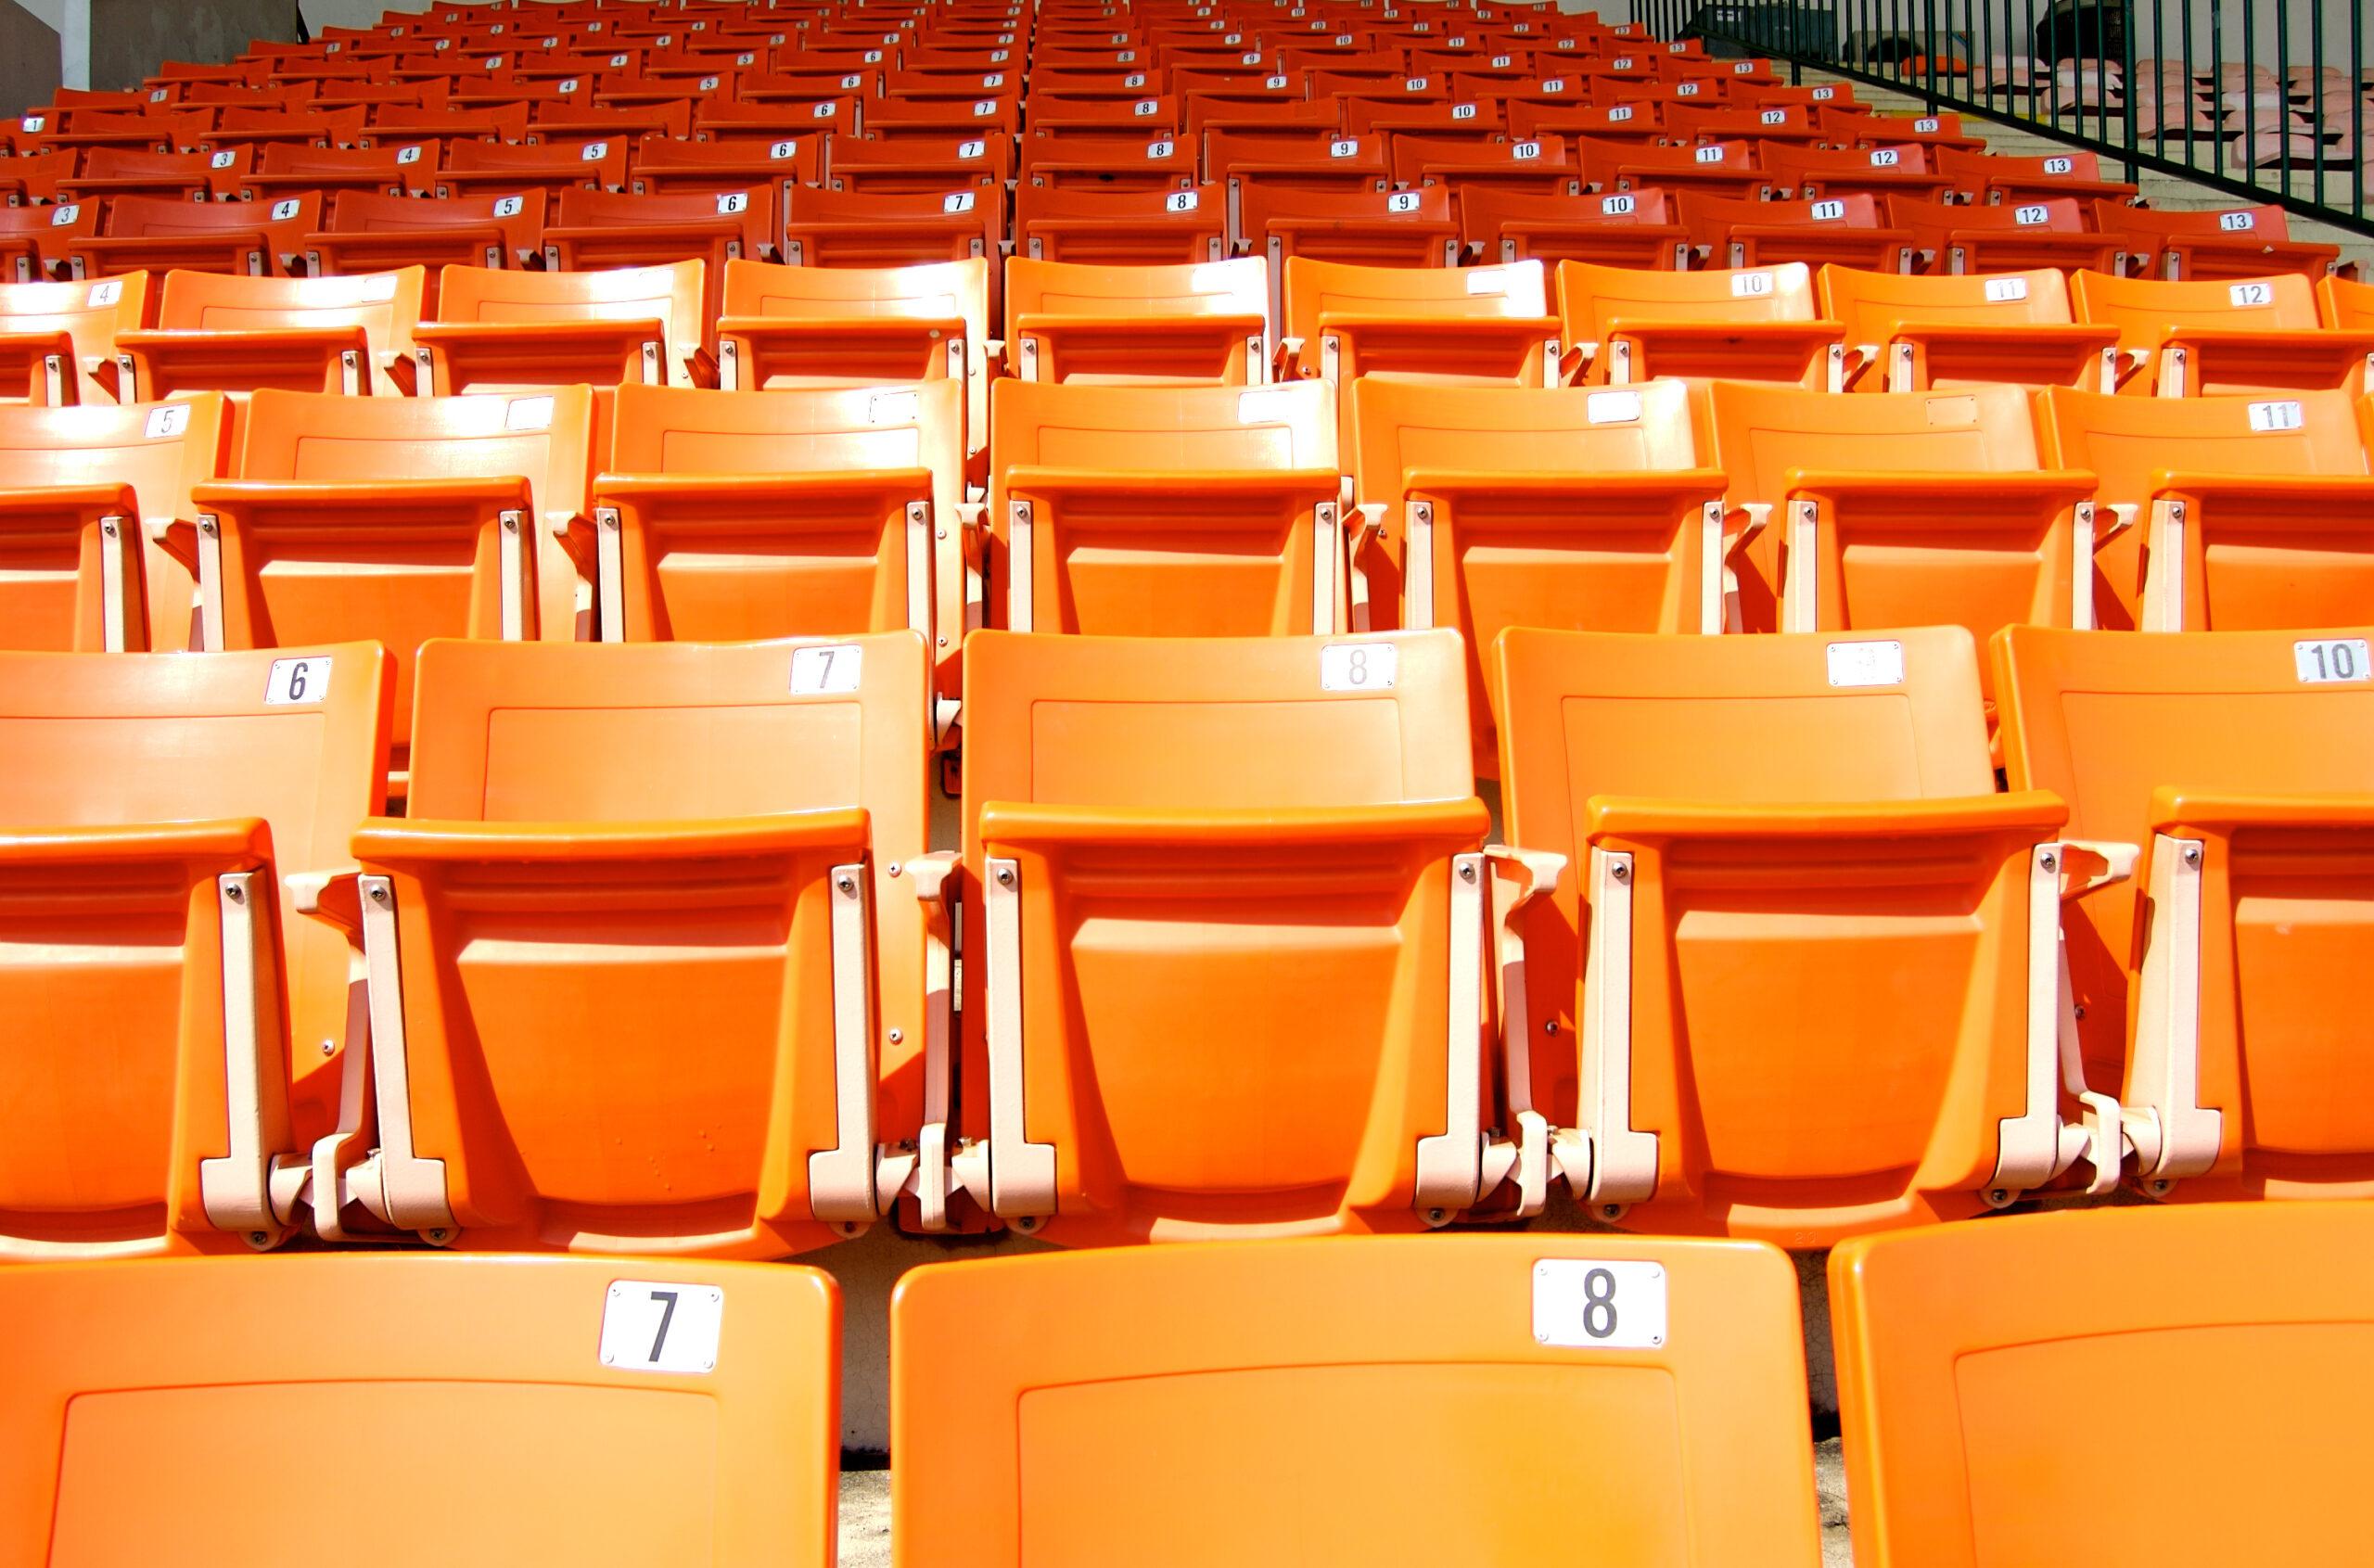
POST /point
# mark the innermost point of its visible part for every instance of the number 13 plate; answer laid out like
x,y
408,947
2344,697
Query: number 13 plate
x,y
1583,1304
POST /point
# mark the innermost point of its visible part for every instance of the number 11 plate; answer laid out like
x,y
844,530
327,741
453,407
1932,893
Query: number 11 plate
x,y
1588,1305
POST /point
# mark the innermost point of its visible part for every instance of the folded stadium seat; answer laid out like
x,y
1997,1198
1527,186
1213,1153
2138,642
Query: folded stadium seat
x,y
293,169
860,326
2241,1307
176,176
1094,117
1906,170
1856,127
1485,508
737,128
1995,179
1301,159
1529,164
1617,229
568,121
222,332
1960,238
1941,331
1165,821
58,339
494,169
2231,513
1782,124
913,122
923,166
1148,1425
1902,509
90,491
397,519
446,127
1120,228
309,127
1701,897
501,331
380,233
724,516
1728,169
29,179
1631,325
666,167
1160,162
2344,306
2240,242
177,131
34,239
1206,322
1610,128
2238,763
2243,334
151,234
829,228
1164,511
1841,229
537,1101
592,231
1369,229
166,819
690,1413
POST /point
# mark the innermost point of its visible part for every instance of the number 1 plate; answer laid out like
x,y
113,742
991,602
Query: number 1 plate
x,y
651,1326
1580,1304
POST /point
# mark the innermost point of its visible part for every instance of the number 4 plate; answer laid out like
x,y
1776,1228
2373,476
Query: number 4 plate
x,y
1581,1304
649,1326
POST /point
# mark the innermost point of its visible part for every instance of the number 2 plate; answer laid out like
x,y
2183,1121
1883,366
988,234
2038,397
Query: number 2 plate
x,y
1581,1304
650,1326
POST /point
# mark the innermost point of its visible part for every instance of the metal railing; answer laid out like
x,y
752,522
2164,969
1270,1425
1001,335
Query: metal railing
x,y
2267,99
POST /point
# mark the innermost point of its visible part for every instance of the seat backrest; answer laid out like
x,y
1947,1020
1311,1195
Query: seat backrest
x,y
1871,304
2144,310
91,313
370,213
1398,426
1710,217
2248,225
142,217
323,438
2246,1308
2346,306
1234,287
805,430
1072,424
2127,441
1763,432
669,294
385,305
1592,300
751,211
1029,1434
1931,219
1315,289
934,291
687,1414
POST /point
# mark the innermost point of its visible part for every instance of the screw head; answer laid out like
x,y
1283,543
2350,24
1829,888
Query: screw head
x,y
892,868
1005,876
379,895
2049,862
1467,873
256,1239
897,1035
329,1047
1550,1027
609,1358
846,884
1621,872
236,895
2192,854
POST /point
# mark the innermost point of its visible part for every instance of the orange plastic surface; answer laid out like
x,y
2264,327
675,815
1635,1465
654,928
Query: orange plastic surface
x,y
1939,331
436,1373
1276,1404
1205,323
1120,228
1614,228
1749,324
1829,984
500,330
75,322
134,782
222,332
2239,335
145,232
1367,228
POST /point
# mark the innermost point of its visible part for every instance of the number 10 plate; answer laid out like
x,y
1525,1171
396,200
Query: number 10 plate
x,y
1583,1304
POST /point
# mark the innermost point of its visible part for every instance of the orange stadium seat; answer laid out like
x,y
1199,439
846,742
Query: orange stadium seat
x,y
90,491
1846,230
1482,507
147,233
2243,334
1204,321
1728,169
1120,228
1149,823
1900,173
1411,228
1489,324
2227,513
176,176
1992,179
1614,229
858,228
33,240
528,1099
500,330
58,339
1109,163
1902,509
1625,326
2176,245
291,168
1738,824
662,166
921,167
2345,306
1941,331
375,233
168,818
2237,1306
1295,158
1164,511
2018,237
1149,1426
226,332
496,168
693,1412
2238,763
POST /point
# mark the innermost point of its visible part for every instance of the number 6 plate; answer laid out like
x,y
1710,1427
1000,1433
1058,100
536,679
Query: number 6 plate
x,y
651,1326
1581,1304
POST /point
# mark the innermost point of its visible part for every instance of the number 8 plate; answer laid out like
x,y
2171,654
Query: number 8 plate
x,y
1583,1304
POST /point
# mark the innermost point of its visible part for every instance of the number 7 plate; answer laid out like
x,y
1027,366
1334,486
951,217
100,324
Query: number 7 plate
x,y
652,1326
1589,1305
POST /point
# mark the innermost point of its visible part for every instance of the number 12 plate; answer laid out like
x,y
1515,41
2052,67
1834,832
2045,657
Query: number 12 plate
x,y
1583,1304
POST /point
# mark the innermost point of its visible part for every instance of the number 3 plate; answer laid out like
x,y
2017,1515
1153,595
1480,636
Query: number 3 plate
x,y
1580,1304
649,1326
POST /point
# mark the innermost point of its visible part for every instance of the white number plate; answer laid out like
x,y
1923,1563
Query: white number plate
x,y
2002,291
648,1326
1866,664
2339,660
2233,223
2282,415
1750,286
1828,212
1357,667
1612,408
1581,1304
167,420
529,414
825,671
297,681
2251,293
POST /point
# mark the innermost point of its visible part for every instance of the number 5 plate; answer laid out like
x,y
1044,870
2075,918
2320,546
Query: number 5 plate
x,y
1581,1304
651,1326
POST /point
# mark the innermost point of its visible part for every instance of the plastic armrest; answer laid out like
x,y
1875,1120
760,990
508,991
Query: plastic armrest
x,y
154,352
46,363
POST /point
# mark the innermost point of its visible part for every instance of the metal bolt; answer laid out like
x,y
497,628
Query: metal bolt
x,y
2000,1195
256,1239
610,1357
236,895
1437,1217
846,884
2079,1010
206,525
1467,873
897,1035
1621,872
892,868
437,1235
2192,854
379,895
1006,877
2050,861
107,527
1550,1027
943,641
329,1047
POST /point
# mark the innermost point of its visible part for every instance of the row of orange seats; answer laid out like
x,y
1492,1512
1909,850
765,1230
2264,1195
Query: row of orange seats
x,y
1076,1410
